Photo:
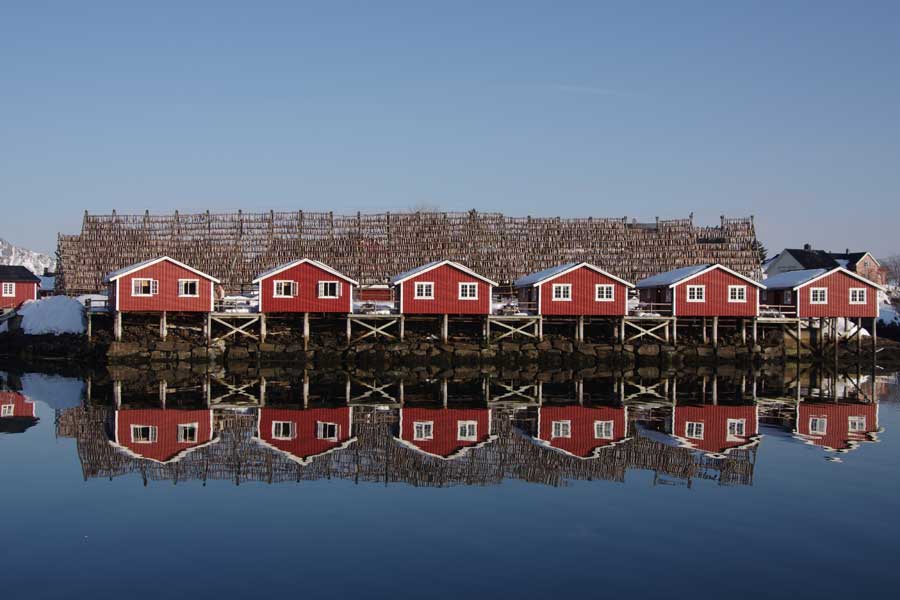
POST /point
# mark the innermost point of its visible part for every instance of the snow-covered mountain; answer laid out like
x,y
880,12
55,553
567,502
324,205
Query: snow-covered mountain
x,y
34,261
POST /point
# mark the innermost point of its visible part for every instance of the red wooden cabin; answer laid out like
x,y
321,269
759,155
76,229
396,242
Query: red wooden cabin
x,y
574,289
716,428
17,413
160,285
445,432
303,434
161,434
17,285
701,291
823,293
582,431
305,286
443,288
836,426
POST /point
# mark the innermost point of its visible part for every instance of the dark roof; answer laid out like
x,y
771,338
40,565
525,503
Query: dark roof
x,y
17,273
813,259
17,424
851,257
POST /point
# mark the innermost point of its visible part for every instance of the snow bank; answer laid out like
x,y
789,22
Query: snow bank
x,y
54,391
54,315
889,315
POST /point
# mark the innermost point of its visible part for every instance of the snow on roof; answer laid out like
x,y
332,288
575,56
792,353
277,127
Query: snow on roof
x,y
113,275
671,277
119,272
416,271
532,278
791,279
293,263
436,263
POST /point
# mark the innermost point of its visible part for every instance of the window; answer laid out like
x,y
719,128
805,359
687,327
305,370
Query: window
x,y
856,424
424,290
423,430
693,430
668,295
737,293
144,287
468,291
604,293
603,430
696,293
562,429
9,289
818,296
786,297
818,425
187,433
285,289
327,431
737,427
143,434
7,410
857,295
562,291
283,430
329,289
189,287
467,431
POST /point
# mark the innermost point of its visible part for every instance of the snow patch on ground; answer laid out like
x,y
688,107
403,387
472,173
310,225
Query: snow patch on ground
x,y
54,315
889,315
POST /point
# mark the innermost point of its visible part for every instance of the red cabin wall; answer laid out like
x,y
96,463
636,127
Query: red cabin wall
x,y
23,407
24,291
446,300
166,422
582,443
716,304
367,294
307,299
306,444
583,300
167,274
837,432
445,429
838,285
715,425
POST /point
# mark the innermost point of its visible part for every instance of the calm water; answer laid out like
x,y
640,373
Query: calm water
x,y
701,485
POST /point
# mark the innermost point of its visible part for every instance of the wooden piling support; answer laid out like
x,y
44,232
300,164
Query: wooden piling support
x,y
262,327
445,328
163,326
306,332
715,332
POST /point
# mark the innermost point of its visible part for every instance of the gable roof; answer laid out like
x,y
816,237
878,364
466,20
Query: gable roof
x,y
294,263
851,257
840,270
791,279
533,279
397,279
117,274
812,259
16,273
678,276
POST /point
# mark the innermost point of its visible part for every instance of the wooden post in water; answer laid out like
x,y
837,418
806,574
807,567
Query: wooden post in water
x,y
715,332
349,325
798,337
675,331
755,333
163,326
705,337
89,328
445,328
262,327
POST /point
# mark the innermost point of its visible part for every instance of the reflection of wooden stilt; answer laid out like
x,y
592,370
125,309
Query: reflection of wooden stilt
x,y
715,332
305,389
305,331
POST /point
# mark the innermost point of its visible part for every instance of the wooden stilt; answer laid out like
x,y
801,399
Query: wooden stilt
x,y
675,331
622,331
705,337
349,332
715,332
262,327
540,329
859,336
117,326
208,328
487,329
445,328
305,331
744,331
799,345
874,335
755,332
402,327
89,324
163,327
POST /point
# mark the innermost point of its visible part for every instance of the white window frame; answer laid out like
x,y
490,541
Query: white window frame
x,y
467,431
183,427
562,287
856,424
561,429
740,428
290,284
603,297
818,290
154,287
423,430
320,431
181,283
737,288
861,296
422,296
9,289
695,288
291,425
600,428
7,410
153,434
468,284
321,289
694,430
818,425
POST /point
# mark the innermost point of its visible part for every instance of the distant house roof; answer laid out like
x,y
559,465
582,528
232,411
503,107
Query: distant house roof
x,y
791,279
294,263
850,257
671,277
435,264
534,278
16,273
113,275
812,259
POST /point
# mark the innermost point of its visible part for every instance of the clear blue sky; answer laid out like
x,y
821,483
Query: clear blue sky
x,y
784,110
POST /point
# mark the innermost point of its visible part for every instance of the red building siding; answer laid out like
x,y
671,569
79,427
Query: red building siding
x,y
24,291
306,443
446,279
582,442
716,303
379,294
715,425
838,285
445,428
583,281
21,406
837,434
167,274
166,447
308,276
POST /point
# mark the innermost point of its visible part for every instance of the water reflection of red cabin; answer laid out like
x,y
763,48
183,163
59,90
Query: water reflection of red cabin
x,y
834,426
160,434
582,431
17,412
306,433
716,428
445,432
